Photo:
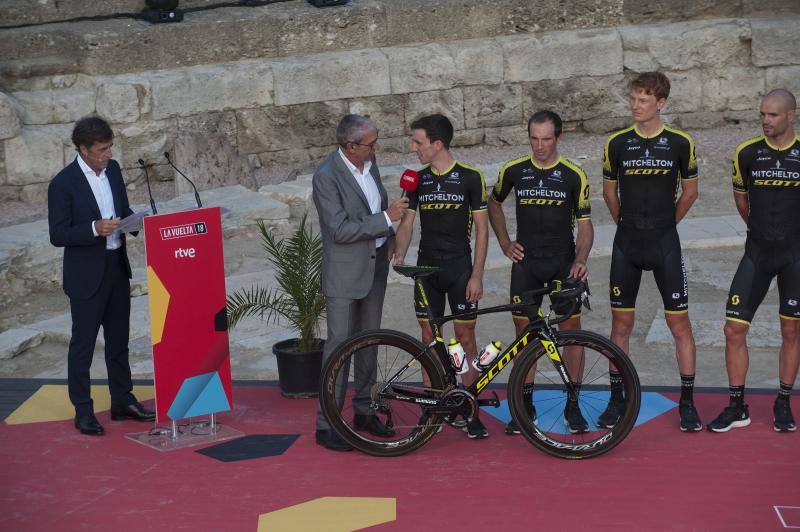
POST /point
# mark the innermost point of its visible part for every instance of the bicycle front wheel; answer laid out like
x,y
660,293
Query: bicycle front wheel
x,y
607,402
384,375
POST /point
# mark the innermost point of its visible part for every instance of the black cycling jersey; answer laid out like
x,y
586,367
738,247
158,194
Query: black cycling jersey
x,y
445,203
771,179
649,171
548,199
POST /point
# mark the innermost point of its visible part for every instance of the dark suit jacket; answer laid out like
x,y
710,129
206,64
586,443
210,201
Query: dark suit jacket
x,y
71,209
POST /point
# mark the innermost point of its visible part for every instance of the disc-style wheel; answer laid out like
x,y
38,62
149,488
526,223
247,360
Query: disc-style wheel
x,y
353,390
605,411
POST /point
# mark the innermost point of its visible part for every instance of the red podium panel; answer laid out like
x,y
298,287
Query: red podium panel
x,y
186,279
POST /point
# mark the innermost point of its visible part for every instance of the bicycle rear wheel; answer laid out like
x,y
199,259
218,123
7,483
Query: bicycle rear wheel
x,y
589,357
400,359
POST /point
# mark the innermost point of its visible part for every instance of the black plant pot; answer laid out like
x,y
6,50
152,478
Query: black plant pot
x,y
298,372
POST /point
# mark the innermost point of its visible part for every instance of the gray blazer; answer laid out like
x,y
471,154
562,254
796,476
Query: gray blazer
x,y
348,228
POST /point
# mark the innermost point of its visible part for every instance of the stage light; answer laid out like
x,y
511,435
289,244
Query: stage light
x,y
162,11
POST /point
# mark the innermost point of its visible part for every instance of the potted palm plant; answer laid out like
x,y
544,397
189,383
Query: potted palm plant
x,y
297,261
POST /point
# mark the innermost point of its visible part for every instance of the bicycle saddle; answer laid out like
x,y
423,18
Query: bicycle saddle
x,y
415,271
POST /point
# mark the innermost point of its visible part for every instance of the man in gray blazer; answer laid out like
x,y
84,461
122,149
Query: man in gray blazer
x,y
357,236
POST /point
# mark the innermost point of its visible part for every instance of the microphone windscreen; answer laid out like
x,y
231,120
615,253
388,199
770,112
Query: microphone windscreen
x,y
409,181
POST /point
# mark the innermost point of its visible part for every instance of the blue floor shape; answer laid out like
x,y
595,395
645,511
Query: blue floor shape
x,y
551,419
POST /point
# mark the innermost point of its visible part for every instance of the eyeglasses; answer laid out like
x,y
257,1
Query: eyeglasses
x,y
370,145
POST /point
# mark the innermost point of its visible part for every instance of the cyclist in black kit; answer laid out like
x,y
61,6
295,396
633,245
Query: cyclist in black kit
x,y
649,184
450,198
766,186
552,194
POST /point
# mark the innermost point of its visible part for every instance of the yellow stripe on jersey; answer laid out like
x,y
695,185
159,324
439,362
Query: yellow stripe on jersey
x,y
509,164
692,166
483,181
583,196
606,160
738,178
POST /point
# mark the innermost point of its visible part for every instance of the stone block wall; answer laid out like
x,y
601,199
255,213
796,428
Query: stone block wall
x,y
283,110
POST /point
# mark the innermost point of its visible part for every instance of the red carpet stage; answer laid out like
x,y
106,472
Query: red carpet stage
x,y
277,478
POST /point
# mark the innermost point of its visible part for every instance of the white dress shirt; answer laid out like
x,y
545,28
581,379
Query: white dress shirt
x,y
105,200
370,189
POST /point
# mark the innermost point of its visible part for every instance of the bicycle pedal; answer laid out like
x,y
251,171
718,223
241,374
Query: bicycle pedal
x,y
493,401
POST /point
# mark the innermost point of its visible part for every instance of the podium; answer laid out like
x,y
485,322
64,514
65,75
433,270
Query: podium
x,y
189,328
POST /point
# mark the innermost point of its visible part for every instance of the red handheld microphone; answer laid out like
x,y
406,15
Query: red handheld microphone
x,y
409,182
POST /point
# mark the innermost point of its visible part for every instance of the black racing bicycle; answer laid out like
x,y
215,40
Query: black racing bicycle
x,y
413,389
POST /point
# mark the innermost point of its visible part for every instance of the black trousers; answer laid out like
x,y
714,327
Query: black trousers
x,y
110,307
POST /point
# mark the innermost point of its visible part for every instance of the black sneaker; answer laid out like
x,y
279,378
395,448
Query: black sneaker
x,y
690,420
733,417
784,421
512,428
573,418
610,416
475,429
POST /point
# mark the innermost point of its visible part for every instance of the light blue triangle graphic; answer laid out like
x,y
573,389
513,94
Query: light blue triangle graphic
x,y
199,395
550,408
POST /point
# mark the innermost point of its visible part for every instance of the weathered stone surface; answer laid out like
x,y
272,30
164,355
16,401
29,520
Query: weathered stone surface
x,y
55,107
477,62
776,41
288,127
30,259
559,55
506,136
211,123
246,206
787,77
638,12
686,91
15,341
686,45
295,156
144,140
34,156
421,68
395,144
117,103
388,112
10,123
449,103
189,91
468,137
758,8
578,98
310,79
210,162
700,120
733,89
303,29
289,192
492,106
606,125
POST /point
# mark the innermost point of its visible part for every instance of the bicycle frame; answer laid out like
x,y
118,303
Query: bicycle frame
x,y
538,328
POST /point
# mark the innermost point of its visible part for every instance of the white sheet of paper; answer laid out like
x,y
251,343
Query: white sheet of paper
x,y
132,222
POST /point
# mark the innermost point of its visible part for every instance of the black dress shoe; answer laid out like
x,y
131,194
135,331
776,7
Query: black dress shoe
x,y
373,425
88,424
330,440
132,411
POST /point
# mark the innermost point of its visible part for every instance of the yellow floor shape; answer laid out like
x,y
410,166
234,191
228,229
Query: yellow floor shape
x,y
330,514
51,403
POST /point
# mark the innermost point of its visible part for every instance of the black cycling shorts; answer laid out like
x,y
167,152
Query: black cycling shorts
x,y
535,272
762,261
658,250
451,282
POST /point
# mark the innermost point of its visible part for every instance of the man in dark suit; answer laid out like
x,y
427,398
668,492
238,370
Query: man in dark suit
x,y
356,228
85,203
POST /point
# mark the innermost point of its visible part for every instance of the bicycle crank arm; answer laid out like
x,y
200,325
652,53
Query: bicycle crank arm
x,y
492,401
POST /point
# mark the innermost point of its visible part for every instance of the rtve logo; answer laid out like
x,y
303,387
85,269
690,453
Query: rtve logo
x,y
189,253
